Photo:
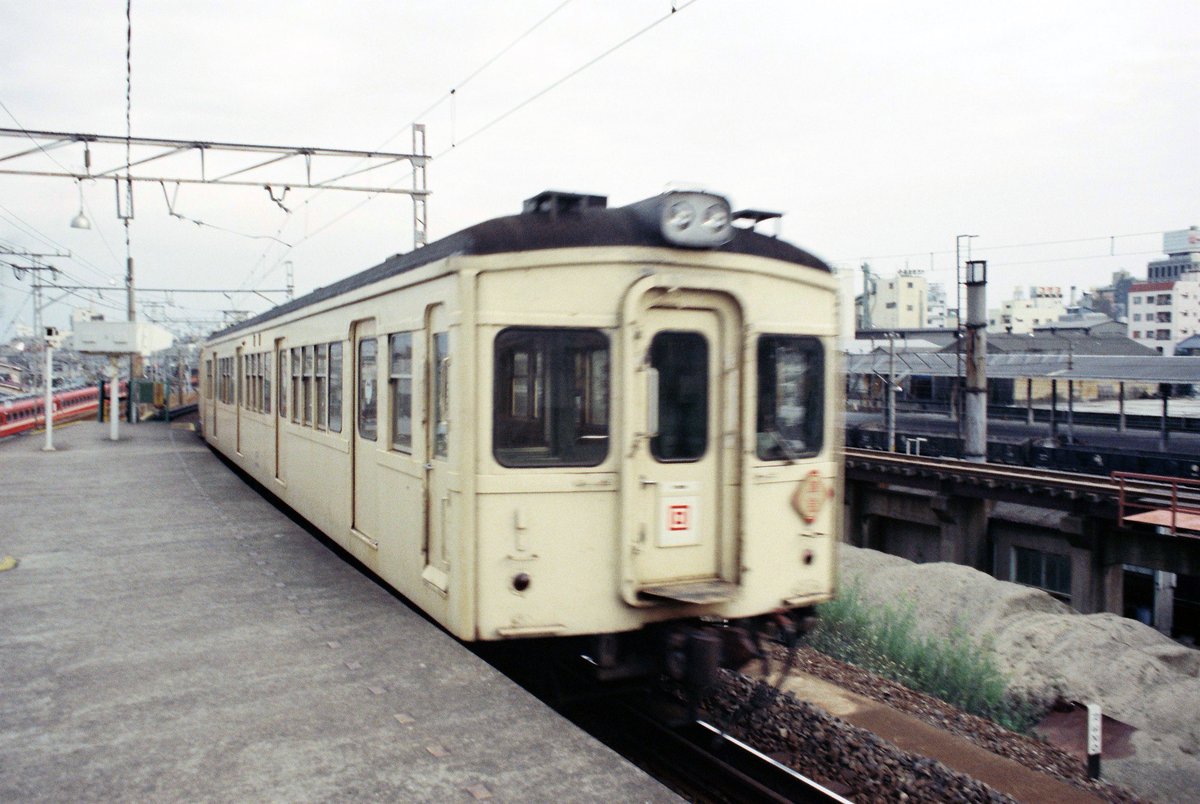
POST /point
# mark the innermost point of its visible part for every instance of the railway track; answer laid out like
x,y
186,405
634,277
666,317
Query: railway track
x,y
984,474
1123,492
696,758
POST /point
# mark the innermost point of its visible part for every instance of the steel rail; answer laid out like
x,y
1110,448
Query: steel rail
x,y
986,474
696,757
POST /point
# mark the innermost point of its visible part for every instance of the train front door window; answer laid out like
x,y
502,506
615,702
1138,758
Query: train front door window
x,y
550,398
681,362
791,392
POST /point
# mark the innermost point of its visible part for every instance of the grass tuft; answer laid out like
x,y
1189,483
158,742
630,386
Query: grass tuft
x,y
886,641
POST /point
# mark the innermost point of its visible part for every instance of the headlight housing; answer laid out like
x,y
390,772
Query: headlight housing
x,y
691,219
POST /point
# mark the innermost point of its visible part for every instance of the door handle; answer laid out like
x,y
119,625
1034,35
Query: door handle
x,y
644,481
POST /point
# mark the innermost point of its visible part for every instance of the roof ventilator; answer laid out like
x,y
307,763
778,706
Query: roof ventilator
x,y
757,216
556,202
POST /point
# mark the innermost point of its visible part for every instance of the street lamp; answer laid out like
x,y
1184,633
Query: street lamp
x,y
80,221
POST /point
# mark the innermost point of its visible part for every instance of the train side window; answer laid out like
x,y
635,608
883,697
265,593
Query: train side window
x,y
441,394
296,400
253,391
308,382
240,379
208,378
550,398
791,397
335,387
322,386
368,417
400,379
681,359
266,382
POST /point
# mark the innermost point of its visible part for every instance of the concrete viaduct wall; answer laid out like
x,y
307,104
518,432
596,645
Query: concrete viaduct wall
x,y
927,526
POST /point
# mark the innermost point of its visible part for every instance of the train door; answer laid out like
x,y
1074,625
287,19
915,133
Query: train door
x,y
680,496
240,381
282,381
366,428
212,373
438,500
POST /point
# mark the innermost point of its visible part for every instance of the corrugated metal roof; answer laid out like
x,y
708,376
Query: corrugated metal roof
x,y
1020,366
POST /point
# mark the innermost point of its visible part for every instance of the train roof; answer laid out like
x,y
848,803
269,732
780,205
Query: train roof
x,y
584,223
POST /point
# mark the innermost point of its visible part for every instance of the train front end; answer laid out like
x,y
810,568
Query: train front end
x,y
672,408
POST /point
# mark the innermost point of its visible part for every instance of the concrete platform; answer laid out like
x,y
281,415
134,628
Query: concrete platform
x,y
167,635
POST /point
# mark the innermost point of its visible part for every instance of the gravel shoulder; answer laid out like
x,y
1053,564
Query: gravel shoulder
x,y
1054,654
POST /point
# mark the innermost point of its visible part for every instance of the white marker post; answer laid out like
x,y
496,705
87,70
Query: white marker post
x,y
1094,741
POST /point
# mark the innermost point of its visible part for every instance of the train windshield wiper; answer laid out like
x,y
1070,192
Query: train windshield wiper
x,y
782,444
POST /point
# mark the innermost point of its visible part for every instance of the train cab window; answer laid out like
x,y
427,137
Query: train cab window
x,y
335,388
400,379
791,397
681,359
307,383
208,378
296,363
550,400
368,423
321,382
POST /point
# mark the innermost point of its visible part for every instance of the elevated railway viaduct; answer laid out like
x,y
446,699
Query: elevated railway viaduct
x,y
1084,539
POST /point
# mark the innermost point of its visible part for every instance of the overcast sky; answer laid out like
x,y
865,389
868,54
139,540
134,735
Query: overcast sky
x,y
882,130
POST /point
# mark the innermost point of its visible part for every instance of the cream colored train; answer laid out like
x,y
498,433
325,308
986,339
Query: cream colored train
x,y
614,426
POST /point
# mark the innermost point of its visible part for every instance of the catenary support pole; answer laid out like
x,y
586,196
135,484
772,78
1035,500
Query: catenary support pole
x,y
49,409
975,424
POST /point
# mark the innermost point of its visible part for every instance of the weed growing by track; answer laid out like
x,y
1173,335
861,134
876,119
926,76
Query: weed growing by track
x,y
886,641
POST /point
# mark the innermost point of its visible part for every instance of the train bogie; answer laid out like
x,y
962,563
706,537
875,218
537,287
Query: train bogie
x,y
570,422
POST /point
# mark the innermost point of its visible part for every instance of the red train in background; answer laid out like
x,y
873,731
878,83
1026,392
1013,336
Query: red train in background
x,y
27,413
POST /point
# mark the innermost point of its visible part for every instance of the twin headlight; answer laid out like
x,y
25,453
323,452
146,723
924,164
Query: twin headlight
x,y
694,220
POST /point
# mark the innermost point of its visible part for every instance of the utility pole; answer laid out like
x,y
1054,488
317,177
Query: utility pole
x,y
36,343
891,393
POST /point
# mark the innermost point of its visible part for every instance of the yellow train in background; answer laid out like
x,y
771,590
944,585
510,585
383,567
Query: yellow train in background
x,y
611,426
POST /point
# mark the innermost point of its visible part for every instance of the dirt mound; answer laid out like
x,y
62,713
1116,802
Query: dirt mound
x,y
1136,674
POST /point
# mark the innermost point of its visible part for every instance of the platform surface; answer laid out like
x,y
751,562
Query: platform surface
x,y
168,635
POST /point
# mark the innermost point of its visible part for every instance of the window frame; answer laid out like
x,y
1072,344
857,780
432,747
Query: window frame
x,y
554,420
400,440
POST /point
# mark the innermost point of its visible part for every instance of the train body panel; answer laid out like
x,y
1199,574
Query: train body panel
x,y
566,441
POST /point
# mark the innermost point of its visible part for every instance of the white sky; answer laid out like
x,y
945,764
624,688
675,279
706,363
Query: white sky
x,y
881,129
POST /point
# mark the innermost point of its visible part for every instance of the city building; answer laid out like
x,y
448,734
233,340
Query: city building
x,y
1161,314
1020,315
899,302
1183,256
937,314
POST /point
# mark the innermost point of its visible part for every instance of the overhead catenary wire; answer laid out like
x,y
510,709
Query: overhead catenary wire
x,y
450,94
499,118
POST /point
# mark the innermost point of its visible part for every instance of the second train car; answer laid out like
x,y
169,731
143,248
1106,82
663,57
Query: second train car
x,y
611,426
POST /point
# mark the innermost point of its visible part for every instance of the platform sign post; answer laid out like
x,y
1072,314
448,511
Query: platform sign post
x,y
1093,741
114,382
